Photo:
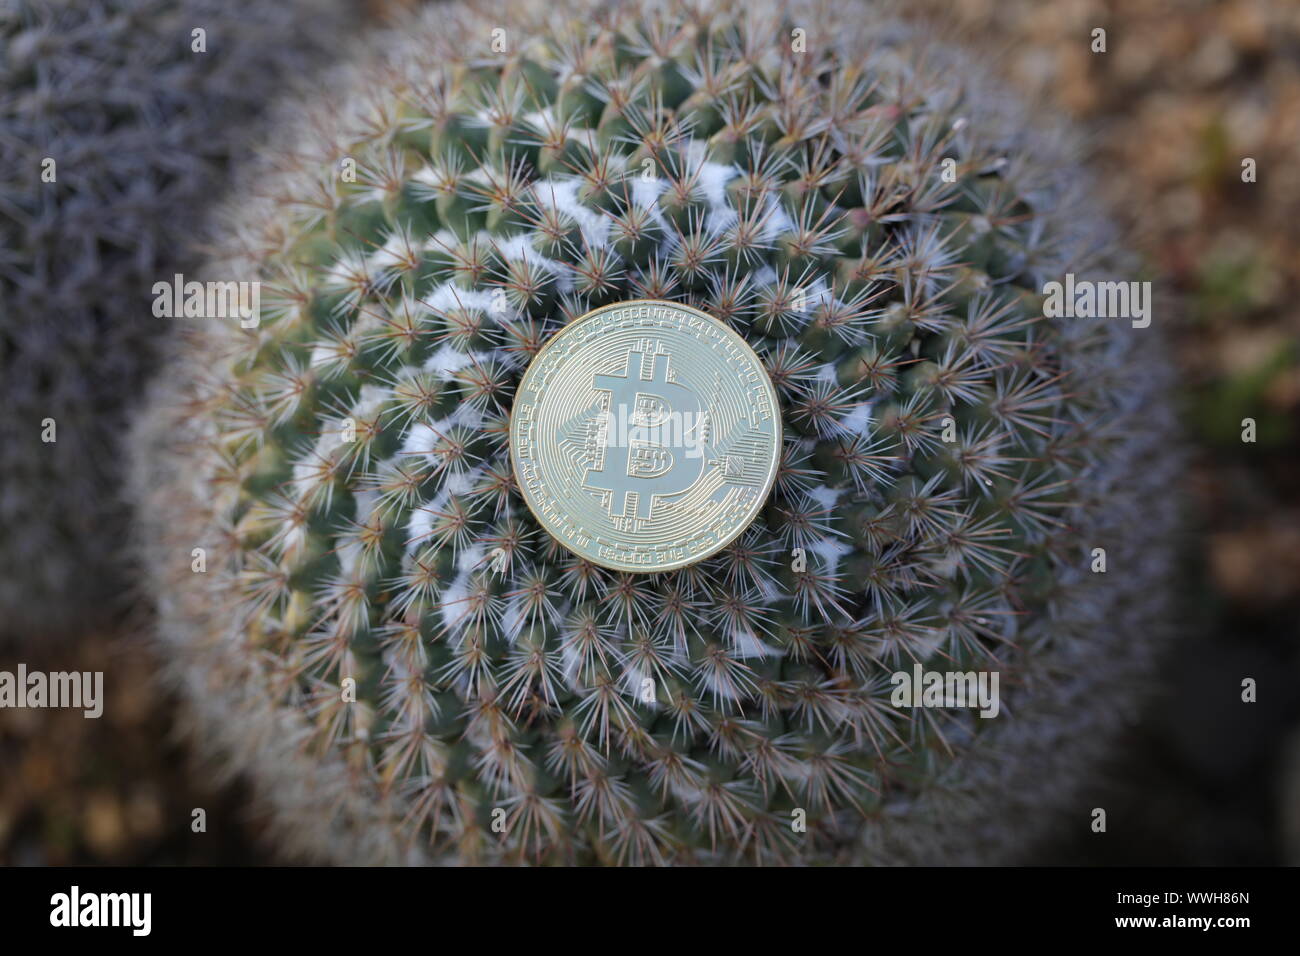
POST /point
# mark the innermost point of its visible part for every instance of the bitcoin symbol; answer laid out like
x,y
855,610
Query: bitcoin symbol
x,y
646,437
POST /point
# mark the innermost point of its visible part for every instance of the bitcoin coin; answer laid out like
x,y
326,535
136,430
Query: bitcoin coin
x,y
645,436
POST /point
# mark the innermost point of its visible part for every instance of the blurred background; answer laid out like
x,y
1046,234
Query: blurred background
x,y
1186,90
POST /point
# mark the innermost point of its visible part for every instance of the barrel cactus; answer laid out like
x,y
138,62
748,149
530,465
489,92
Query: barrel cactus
x,y
365,619
116,122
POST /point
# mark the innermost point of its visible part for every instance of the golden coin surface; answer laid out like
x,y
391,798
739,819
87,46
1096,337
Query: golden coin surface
x,y
645,435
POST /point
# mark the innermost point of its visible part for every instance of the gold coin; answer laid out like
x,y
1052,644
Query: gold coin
x,y
645,435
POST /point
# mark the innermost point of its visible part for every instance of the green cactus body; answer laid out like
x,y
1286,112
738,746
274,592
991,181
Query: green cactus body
x,y
117,121
412,670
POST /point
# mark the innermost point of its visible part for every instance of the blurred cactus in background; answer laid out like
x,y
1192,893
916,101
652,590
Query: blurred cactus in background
x,y
117,123
879,222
